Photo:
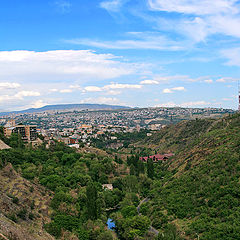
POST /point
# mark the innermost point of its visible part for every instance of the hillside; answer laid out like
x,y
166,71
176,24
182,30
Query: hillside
x,y
198,189
23,207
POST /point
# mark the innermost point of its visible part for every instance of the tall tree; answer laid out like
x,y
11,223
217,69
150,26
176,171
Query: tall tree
x,y
92,196
150,168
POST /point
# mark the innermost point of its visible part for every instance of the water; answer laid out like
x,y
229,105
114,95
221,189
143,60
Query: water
x,y
111,224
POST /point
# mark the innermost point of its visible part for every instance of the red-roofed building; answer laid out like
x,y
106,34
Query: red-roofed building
x,y
157,157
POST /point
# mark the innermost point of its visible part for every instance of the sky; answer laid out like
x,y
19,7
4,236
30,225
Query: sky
x,y
138,53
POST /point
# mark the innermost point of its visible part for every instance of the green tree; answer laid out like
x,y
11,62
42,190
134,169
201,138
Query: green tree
x,y
150,168
92,196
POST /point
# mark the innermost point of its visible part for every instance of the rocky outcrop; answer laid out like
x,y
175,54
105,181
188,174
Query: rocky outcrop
x,y
3,145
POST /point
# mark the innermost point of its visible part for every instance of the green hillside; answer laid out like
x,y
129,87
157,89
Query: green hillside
x,y
198,190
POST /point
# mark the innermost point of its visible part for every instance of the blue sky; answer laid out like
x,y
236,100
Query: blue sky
x,y
124,52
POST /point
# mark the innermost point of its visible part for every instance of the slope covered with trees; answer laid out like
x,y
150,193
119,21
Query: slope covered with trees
x,y
198,190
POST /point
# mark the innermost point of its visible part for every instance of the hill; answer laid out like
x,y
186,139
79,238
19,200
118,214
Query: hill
x,y
64,107
23,207
197,190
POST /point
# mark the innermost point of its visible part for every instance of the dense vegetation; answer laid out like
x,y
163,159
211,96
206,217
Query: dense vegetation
x,y
80,205
203,197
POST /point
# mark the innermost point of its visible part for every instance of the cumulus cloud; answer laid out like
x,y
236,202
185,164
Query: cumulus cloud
x,y
37,104
149,82
112,86
171,90
93,89
103,100
66,91
9,85
23,94
122,86
67,65
19,96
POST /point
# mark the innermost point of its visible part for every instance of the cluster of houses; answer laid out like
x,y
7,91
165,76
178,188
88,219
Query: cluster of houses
x,y
83,133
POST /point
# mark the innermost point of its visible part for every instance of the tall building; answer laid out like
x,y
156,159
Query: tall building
x,y
27,132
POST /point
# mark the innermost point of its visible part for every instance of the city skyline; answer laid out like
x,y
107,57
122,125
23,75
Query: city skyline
x,y
135,53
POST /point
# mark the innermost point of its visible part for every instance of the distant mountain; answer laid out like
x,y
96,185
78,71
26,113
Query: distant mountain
x,y
64,107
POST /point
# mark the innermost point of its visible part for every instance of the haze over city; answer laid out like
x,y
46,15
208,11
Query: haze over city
x,y
135,53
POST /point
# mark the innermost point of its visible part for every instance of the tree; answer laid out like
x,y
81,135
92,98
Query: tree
x,y
92,197
150,168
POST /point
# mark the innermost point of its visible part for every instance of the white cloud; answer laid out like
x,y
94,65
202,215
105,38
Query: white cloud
x,y
122,86
37,104
233,56
62,65
208,81
66,91
9,85
112,5
178,89
149,82
167,90
103,100
53,90
113,92
198,19
18,96
203,7
171,90
22,94
136,40
76,86
110,88
93,89
226,79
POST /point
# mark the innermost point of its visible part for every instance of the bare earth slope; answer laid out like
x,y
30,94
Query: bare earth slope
x,y
3,145
23,207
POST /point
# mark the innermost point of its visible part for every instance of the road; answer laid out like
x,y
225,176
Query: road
x,y
151,228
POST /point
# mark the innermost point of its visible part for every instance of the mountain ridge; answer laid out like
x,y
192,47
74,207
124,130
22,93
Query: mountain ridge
x,y
56,107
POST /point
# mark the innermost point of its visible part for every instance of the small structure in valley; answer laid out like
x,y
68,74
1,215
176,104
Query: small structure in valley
x,y
107,187
157,157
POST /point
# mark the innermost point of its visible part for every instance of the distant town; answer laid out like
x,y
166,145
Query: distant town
x,y
82,127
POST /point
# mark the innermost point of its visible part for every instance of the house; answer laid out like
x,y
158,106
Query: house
x,y
157,157
107,187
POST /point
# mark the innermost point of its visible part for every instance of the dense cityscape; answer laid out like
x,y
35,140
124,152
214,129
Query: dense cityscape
x,y
78,127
